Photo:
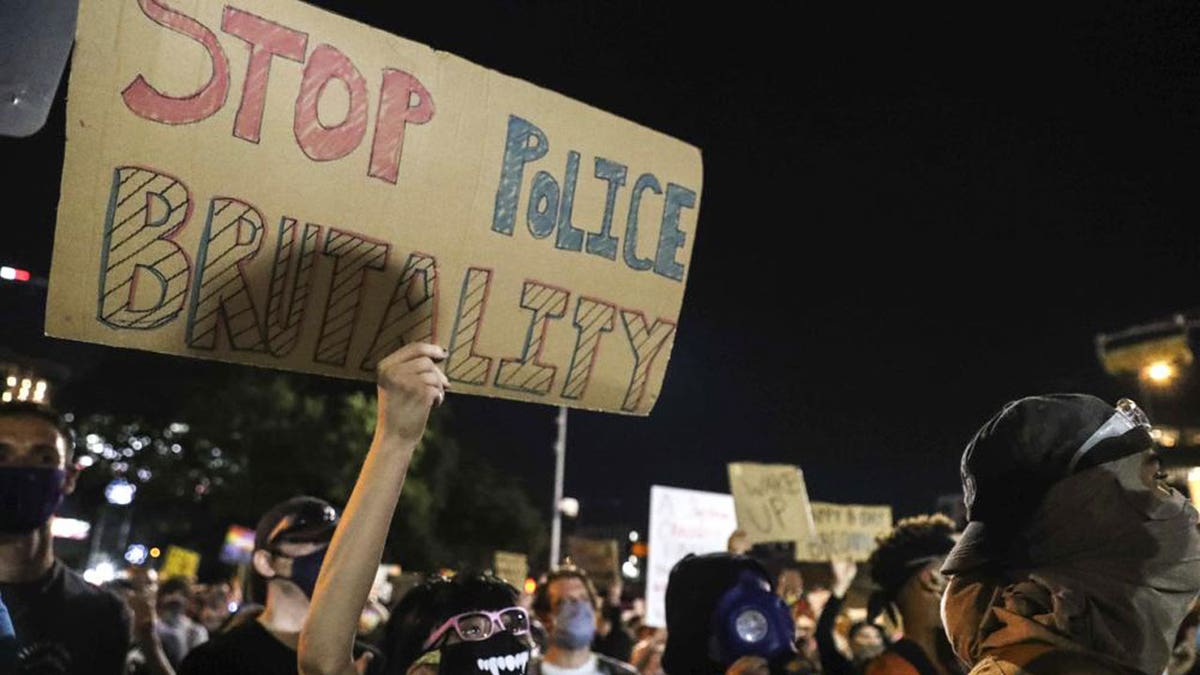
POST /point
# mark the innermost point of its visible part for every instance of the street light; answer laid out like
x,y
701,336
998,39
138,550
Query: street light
x,y
1159,373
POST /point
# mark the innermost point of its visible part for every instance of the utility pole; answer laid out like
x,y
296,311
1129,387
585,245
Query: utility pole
x,y
560,459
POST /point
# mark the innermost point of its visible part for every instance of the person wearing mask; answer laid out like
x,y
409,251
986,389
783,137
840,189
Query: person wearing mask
x,y
1077,557
290,543
723,616
866,640
566,604
176,630
468,627
63,624
905,567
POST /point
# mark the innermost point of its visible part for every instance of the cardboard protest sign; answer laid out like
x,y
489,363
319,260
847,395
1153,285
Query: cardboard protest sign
x,y
267,183
179,562
682,522
598,557
844,531
772,502
511,567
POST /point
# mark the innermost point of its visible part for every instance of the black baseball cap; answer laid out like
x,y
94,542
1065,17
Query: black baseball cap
x,y
297,520
1023,450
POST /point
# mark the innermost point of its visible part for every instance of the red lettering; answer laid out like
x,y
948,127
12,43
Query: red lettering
x,y
146,101
396,111
318,141
265,39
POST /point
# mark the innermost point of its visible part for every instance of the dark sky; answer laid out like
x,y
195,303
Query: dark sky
x,y
912,212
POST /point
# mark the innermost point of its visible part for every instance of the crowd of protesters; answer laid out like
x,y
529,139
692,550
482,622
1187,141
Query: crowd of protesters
x,y
1077,557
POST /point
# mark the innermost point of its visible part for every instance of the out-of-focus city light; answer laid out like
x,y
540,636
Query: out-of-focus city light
x,y
1159,372
633,535
86,460
179,428
70,528
25,387
1193,480
630,569
120,492
100,574
1167,437
14,273
136,554
154,552
530,586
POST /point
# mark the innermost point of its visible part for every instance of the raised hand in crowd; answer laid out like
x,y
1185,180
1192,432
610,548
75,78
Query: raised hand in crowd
x,y
410,383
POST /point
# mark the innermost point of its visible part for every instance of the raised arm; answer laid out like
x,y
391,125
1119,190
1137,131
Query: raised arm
x,y
410,383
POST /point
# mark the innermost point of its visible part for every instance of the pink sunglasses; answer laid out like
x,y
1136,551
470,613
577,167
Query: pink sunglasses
x,y
481,625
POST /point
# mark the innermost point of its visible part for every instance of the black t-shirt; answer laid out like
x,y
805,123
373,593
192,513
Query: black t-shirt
x,y
250,649
66,625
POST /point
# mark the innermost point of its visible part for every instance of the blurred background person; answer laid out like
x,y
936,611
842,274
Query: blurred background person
x,y
906,568
612,638
566,603
177,631
721,608
864,641
289,545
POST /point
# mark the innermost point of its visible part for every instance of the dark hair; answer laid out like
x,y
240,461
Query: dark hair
x,y
424,608
175,585
46,414
911,541
541,597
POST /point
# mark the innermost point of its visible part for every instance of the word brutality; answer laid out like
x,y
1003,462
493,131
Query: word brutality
x,y
148,280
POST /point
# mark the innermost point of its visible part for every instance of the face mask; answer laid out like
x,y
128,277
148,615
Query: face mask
x,y
28,497
574,625
501,653
1122,558
305,569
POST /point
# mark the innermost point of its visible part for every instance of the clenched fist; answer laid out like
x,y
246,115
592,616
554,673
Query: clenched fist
x,y
410,383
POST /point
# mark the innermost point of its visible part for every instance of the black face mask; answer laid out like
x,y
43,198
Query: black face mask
x,y
503,653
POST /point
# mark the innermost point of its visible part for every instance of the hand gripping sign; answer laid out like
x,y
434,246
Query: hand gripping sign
x,y
267,183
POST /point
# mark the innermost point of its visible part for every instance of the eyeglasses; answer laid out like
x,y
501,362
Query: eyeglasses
x,y
481,625
1128,416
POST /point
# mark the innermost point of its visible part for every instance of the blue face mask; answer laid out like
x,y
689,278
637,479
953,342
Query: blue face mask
x,y
28,497
574,625
750,620
305,569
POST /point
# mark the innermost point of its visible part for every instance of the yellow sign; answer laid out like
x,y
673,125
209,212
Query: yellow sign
x,y
512,567
180,562
771,502
267,183
844,531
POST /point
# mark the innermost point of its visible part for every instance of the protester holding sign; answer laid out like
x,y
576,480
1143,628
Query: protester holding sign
x,y
471,628
63,624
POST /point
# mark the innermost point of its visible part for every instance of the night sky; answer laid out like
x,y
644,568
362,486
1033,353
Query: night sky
x,y
911,214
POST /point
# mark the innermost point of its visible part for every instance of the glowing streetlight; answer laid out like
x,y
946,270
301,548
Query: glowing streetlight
x,y
1159,373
